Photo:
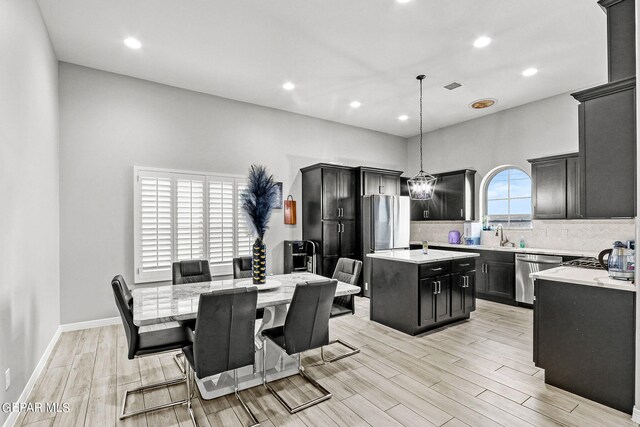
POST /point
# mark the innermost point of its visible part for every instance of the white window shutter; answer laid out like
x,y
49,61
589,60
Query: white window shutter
x,y
154,245
189,217
221,223
244,240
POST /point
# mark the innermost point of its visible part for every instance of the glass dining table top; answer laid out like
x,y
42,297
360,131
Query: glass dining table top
x,y
169,303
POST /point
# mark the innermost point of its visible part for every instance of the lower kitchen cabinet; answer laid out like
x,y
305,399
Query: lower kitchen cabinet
x,y
584,339
414,298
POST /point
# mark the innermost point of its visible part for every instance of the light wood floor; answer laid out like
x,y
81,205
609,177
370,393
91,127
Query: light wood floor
x,y
478,372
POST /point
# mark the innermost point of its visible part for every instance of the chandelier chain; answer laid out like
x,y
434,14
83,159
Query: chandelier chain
x,y
421,125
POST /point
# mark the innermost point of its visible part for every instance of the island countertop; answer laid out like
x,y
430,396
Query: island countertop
x,y
584,276
417,257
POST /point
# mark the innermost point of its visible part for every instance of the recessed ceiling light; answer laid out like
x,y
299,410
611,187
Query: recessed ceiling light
x,y
355,104
530,72
483,103
482,41
403,117
132,43
288,86
403,1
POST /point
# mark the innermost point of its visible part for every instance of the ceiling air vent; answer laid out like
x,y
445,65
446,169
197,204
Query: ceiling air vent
x,y
453,85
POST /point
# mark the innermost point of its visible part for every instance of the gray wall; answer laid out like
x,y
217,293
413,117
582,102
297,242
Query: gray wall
x,y
541,128
109,123
29,251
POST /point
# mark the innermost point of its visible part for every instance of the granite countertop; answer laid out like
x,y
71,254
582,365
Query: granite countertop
x,y
584,276
543,251
417,257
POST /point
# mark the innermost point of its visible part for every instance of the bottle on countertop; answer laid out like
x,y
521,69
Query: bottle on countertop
x,y
522,245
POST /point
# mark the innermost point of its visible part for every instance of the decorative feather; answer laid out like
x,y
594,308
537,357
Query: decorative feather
x,y
258,199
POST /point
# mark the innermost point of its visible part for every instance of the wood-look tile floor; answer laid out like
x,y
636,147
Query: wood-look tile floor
x,y
478,372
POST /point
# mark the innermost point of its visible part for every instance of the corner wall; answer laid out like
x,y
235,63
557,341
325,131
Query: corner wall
x,y
29,194
109,123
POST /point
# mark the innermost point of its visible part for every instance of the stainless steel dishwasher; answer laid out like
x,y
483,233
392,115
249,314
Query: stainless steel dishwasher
x,y
527,264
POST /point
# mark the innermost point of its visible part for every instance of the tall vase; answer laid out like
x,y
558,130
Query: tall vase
x,y
259,262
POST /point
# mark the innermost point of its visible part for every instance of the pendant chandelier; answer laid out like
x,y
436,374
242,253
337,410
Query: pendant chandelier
x,y
421,185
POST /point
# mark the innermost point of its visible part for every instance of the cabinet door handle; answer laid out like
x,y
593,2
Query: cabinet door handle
x,y
466,281
464,265
437,269
427,214
381,189
461,213
338,228
343,228
424,214
435,288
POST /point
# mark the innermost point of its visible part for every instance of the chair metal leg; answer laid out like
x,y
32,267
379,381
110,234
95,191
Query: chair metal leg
x,y
254,420
176,358
292,410
264,362
190,393
354,350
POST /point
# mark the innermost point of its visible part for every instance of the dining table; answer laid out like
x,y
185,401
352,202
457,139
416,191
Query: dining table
x,y
162,305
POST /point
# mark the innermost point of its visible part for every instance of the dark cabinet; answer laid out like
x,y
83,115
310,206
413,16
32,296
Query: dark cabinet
x,y
621,52
428,290
453,198
381,183
463,293
329,212
555,188
500,278
608,150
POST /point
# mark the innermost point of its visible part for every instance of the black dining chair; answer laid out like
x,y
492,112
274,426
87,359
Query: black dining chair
x,y
146,343
243,269
190,271
347,271
306,327
229,345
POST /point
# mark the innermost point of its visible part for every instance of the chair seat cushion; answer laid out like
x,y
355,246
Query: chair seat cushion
x,y
338,310
163,340
276,335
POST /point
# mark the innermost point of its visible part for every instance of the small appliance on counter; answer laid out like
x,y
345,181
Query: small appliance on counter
x,y
454,237
472,232
300,256
621,260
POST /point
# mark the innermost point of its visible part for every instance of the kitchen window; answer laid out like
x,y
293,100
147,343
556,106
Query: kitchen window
x,y
180,216
507,198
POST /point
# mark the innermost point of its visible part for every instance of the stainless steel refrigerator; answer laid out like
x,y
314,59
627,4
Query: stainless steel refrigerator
x,y
385,226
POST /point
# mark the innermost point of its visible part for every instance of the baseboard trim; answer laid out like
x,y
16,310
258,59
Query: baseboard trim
x,y
90,324
635,416
28,388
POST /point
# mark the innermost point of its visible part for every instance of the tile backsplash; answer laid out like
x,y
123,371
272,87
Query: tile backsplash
x,y
579,234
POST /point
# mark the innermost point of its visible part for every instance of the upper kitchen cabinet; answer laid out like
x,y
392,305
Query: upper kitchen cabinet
x,y
373,181
607,158
555,189
338,187
621,50
453,198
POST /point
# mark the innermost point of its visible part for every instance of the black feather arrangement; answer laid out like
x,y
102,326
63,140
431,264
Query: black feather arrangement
x,y
258,199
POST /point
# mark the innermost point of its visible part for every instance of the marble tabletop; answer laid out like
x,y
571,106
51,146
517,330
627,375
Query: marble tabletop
x,y
168,303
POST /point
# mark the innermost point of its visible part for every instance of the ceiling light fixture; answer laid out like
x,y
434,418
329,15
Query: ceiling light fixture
x,y
288,86
132,43
482,42
482,103
355,104
530,72
403,1
403,117
421,185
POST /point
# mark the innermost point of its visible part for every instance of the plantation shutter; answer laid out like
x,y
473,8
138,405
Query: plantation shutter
x,y
189,217
154,232
221,222
244,240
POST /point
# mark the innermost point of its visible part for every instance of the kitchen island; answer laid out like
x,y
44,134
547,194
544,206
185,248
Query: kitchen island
x,y
584,334
414,292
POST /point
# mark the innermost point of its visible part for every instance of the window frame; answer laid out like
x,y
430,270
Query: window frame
x,y
217,269
485,196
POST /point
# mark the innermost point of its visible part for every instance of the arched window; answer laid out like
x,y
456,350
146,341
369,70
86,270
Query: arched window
x,y
507,197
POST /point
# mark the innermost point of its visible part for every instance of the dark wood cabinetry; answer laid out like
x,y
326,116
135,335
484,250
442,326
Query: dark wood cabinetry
x,y
607,132
621,51
329,213
556,187
414,298
379,181
453,198
584,339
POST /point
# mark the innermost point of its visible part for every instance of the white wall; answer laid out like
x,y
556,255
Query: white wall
x,y
538,129
29,251
109,123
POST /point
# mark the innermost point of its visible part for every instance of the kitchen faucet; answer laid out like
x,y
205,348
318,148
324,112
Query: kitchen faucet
x,y
500,232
